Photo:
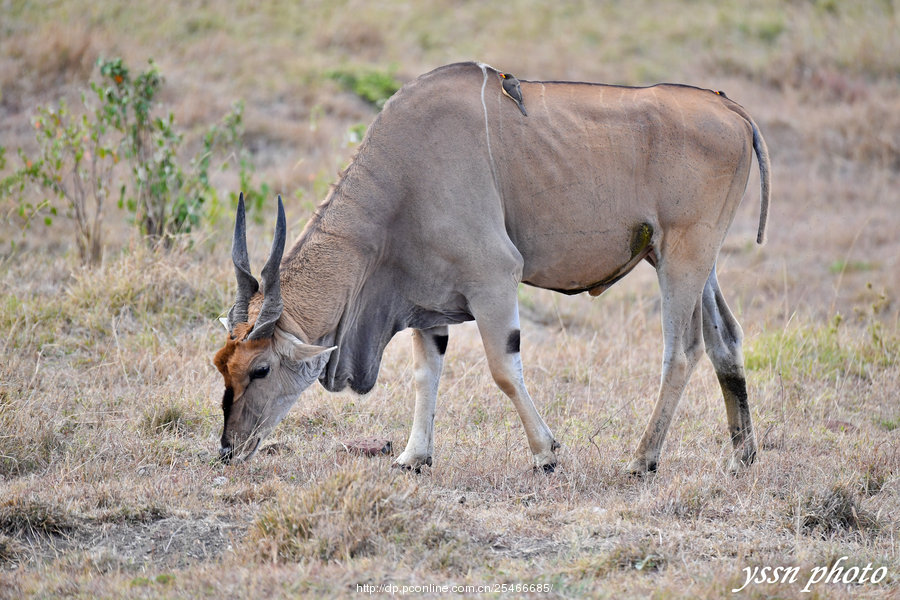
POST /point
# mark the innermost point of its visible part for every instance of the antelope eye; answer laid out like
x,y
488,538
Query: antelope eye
x,y
259,372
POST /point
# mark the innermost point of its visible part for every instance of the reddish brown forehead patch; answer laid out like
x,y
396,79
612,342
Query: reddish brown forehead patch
x,y
233,359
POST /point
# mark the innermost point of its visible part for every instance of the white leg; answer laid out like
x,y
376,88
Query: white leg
x,y
429,346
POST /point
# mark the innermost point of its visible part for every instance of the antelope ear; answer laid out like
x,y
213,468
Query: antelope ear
x,y
298,350
224,322
305,352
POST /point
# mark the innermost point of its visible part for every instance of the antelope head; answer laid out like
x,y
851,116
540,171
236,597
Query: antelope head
x,y
265,367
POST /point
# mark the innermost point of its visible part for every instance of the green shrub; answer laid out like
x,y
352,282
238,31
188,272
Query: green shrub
x,y
372,86
120,127
75,163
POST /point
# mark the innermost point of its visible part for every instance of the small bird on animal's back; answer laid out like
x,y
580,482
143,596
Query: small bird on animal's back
x,y
510,86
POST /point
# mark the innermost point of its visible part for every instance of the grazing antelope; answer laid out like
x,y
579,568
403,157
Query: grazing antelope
x,y
454,199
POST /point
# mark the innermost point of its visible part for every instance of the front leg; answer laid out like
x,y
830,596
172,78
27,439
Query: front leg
x,y
429,346
497,316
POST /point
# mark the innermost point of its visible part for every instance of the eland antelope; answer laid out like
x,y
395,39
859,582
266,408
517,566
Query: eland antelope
x,y
453,199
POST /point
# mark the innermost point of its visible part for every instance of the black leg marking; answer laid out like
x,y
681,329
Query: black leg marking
x,y
441,342
736,385
734,388
513,342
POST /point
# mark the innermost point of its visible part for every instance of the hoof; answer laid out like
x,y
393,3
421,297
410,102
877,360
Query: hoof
x,y
741,460
403,467
546,460
411,464
640,467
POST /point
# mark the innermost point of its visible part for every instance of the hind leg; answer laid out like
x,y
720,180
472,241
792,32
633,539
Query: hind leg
x,y
723,335
682,270
683,348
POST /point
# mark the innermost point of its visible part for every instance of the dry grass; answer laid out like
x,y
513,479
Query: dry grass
x,y
109,414
356,512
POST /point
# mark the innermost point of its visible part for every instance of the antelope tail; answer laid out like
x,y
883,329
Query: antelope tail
x,y
762,157
765,192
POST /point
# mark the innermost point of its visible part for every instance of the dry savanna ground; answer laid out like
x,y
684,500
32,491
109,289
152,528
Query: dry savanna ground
x,y
109,404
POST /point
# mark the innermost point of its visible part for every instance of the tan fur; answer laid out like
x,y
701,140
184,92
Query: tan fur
x,y
454,199
567,201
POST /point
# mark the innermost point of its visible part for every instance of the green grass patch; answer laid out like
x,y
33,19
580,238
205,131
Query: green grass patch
x,y
816,350
373,86
888,424
854,266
